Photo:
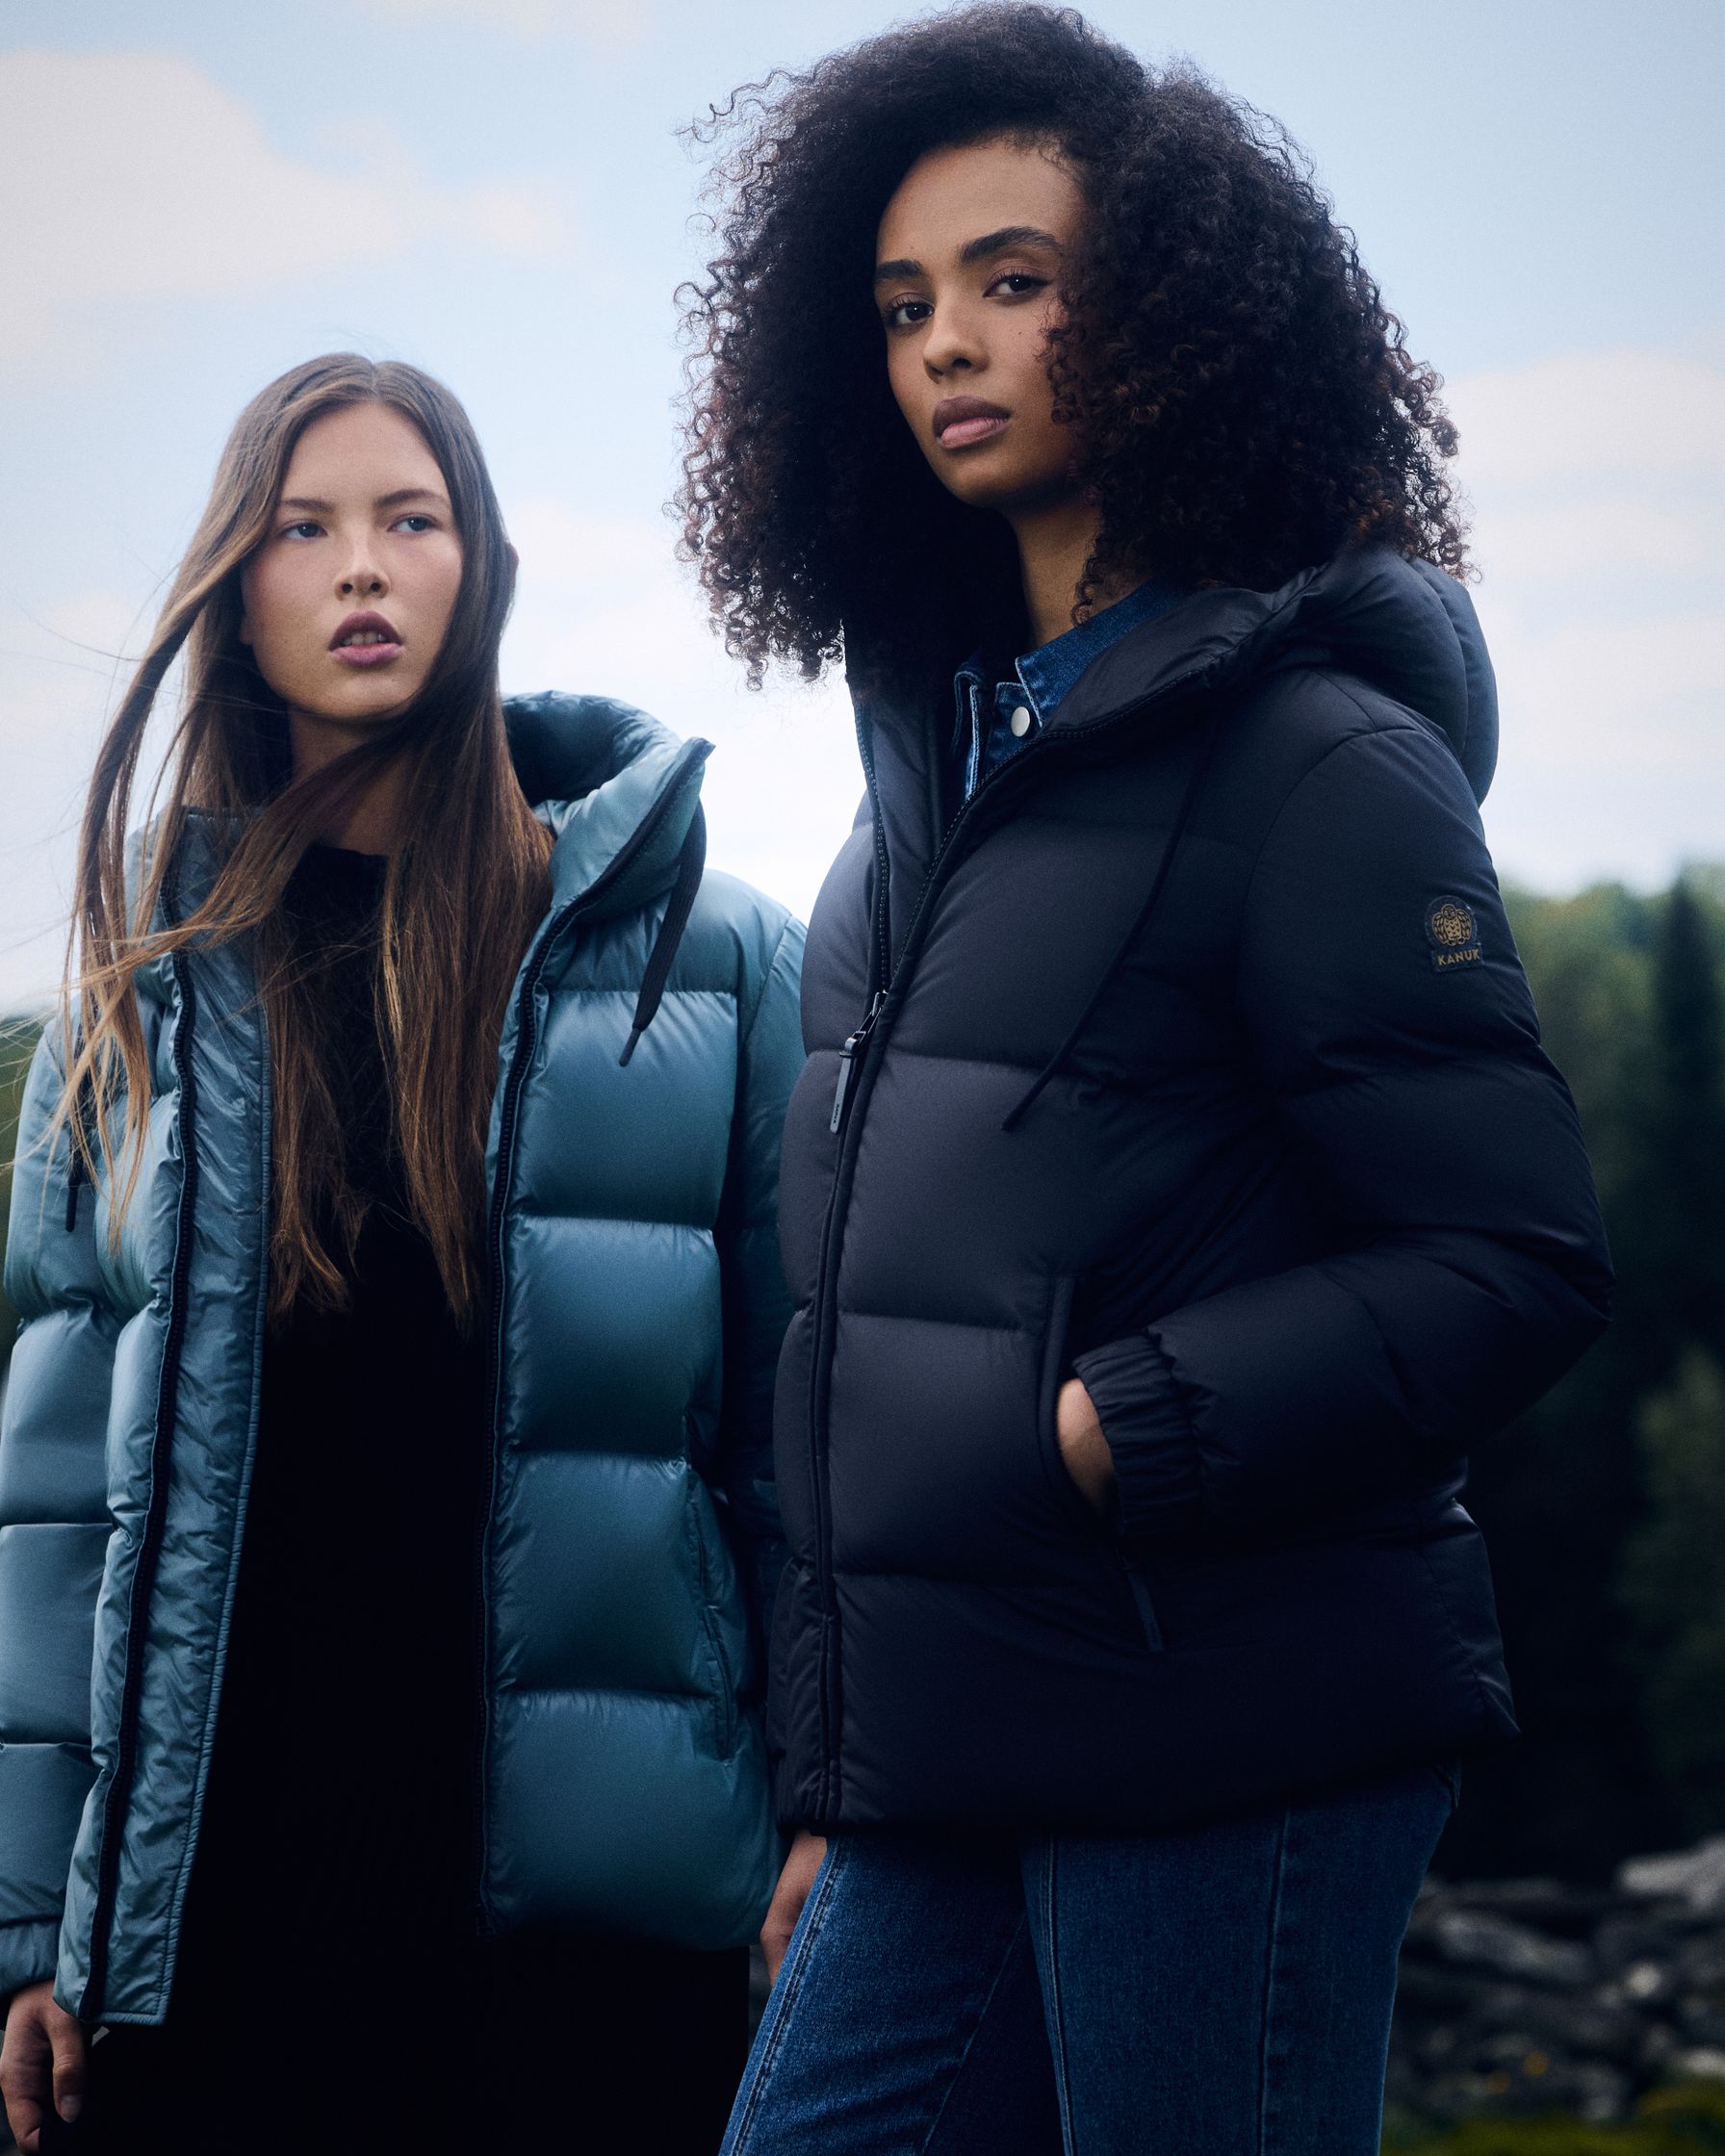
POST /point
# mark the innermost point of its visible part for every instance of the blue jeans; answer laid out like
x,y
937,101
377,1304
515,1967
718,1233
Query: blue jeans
x,y
1219,1991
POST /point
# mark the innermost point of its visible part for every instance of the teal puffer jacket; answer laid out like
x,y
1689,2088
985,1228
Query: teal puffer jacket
x,y
631,1537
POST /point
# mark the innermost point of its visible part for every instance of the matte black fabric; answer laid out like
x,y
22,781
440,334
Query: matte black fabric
x,y
357,1609
533,2043
1201,1064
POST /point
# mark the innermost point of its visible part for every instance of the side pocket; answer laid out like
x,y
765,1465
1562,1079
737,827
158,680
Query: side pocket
x,y
1143,1601
1118,1570
1065,1491
725,1705
724,1679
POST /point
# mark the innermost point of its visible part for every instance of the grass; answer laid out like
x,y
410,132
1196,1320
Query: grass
x,y
1686,2119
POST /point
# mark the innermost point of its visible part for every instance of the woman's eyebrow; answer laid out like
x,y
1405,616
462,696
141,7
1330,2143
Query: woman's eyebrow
x,y
974,251
1009,236
322,508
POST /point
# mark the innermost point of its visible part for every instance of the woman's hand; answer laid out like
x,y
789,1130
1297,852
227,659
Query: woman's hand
x,y
41,2064
1083,1446
788,1897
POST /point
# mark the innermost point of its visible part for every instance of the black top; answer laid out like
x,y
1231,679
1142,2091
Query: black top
x,y
355,1631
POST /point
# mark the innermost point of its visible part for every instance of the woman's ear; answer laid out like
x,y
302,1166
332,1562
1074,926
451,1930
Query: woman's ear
x,y
514,560
245,630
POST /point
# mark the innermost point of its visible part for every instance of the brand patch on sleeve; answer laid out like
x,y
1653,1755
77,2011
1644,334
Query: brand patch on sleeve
x,y
1452,933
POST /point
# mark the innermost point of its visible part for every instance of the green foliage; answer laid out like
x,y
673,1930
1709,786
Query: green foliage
x,y
1632,1012
1686,2119
1673,1584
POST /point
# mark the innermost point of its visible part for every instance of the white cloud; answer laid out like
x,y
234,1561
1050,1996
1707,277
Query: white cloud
x,y
133,176
1588,413
1613,533
604,607
611,25
59,673
1599,531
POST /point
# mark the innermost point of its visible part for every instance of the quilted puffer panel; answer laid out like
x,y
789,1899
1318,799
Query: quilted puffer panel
x,y
61,1369
665,1115
613,1812
596,1577
611,1334
48,1580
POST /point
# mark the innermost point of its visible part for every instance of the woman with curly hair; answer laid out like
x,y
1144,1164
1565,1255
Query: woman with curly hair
x,y
1176,1188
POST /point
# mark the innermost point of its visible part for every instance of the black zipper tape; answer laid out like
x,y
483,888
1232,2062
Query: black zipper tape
x,y
155,1521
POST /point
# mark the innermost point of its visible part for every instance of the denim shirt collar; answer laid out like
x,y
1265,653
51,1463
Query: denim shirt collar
x,y
1044,677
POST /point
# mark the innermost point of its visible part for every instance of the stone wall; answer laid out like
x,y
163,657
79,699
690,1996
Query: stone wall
x,y
1524,1996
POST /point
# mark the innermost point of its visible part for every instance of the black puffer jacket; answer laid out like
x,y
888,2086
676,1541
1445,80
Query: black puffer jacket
x,y
1203,1066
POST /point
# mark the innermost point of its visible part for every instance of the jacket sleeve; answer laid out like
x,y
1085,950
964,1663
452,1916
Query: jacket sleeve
x,y
756,1300
54,1527
1397,1043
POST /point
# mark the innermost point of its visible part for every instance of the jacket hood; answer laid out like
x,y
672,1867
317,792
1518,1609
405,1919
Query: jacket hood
x,y
1404,626
618,791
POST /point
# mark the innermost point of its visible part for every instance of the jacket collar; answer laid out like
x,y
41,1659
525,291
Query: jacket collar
x,y
617,790
1401,626
612,785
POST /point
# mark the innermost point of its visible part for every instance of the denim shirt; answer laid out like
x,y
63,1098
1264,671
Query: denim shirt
x,y
992,723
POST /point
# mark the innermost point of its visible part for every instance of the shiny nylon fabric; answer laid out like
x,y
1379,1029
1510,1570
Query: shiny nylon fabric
x,y
631,1535
1308,1216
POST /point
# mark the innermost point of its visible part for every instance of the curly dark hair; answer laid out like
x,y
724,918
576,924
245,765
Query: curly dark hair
x,y
1240,401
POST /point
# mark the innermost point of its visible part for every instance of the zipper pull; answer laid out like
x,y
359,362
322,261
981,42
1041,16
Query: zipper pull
x,y
847,1058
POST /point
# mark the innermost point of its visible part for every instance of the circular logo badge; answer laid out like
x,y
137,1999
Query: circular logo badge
x,y
1450,924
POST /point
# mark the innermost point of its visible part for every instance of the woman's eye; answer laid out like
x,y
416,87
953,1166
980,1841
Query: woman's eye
x,y
906,313
305,528
1017,284
414,522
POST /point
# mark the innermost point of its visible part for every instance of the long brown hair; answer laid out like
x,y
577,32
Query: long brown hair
x,y
460,897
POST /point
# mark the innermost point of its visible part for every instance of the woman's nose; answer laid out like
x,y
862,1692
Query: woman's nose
x,y
951,344
363,579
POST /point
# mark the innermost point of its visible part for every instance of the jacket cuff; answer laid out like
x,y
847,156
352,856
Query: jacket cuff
x,y
29,1953
1150,1433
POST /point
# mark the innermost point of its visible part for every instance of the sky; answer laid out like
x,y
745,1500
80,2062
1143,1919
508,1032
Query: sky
x,y
195,196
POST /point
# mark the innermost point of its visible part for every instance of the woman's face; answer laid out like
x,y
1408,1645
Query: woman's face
x,y
967,258
347,599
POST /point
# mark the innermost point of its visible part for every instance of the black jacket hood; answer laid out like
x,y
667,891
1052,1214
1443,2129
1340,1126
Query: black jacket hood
x,y
1404,626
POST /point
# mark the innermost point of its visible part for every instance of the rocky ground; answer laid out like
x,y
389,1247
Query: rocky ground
x,y
1527,1997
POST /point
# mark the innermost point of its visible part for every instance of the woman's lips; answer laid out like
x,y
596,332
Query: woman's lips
x,y
366,654
960,435
960,422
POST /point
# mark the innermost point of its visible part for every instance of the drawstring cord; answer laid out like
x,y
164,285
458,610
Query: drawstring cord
x,y
1200,764
689,863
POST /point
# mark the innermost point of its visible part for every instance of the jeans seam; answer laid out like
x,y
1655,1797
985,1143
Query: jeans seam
x,y
793,1984
934,2127
1269,2008
1056,2016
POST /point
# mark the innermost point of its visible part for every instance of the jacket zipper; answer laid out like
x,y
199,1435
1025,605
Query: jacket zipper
x,y
882,959
853,1047
527,1036
155,1520
861,1051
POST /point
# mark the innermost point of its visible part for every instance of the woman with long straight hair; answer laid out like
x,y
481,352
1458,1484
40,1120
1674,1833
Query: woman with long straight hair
x,y
1178,1188
385,1478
